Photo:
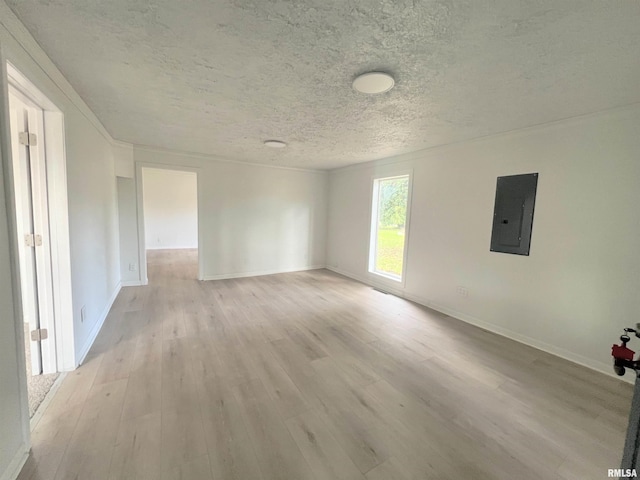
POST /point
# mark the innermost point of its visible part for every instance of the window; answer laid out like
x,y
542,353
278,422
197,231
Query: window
x,y
388,224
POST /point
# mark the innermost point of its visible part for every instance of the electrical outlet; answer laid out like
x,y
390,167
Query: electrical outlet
x,y
462,291
133,267
83,313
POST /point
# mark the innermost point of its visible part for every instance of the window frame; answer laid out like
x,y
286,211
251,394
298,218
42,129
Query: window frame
x,y
391,280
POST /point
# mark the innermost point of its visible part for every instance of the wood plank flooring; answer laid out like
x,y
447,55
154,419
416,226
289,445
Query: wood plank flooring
x,y
313,376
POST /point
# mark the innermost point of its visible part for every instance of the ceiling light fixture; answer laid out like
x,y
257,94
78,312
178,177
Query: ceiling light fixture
x,y
373,82
275,144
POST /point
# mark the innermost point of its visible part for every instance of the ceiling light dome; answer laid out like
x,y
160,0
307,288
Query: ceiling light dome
x,y
275,143
373,83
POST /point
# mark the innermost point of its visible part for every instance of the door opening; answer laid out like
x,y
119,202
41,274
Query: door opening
x,y
40,230
170,204
34,246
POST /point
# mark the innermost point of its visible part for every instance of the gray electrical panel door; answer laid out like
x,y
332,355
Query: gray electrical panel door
x,y
513,213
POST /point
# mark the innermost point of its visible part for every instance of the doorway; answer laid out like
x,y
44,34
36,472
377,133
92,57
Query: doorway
x,y
34,246
170,204
40,229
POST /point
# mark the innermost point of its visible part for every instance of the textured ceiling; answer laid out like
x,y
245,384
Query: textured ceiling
x,y
220,77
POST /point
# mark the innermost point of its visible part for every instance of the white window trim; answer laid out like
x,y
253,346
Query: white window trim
x,y
376,277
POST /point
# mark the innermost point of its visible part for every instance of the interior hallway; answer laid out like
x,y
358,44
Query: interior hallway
x,y
311,375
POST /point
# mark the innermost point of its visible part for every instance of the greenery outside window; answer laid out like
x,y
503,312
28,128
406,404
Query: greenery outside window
x,y
388,226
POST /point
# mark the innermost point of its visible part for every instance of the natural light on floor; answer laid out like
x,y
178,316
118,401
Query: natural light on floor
x,y
389,215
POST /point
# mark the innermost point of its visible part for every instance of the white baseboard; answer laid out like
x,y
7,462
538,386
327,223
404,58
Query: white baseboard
x,y
600,367
17,462
96,328
348,274
385,287
132,283
226,276
605,368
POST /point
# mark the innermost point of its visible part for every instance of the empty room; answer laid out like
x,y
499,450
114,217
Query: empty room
x,y
319,240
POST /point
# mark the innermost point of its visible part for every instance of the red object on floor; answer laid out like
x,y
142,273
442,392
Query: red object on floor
x,y
618,351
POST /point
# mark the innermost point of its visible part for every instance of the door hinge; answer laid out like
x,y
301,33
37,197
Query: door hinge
x,y
39,334
28,139
32,240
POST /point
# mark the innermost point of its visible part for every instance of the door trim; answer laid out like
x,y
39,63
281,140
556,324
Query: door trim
x,y
142,248
60,251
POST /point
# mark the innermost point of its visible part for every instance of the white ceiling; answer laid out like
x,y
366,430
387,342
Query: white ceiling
x,y
220,77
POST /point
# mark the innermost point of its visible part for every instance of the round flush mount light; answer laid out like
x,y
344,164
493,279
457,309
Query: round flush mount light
x,y
275,144
373,82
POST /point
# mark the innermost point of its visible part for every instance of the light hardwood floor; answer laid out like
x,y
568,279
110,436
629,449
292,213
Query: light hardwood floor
x,y
313,376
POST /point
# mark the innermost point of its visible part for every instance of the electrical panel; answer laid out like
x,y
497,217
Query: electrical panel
x,y
513,214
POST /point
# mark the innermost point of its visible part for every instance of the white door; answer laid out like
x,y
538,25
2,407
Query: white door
x,y
32,213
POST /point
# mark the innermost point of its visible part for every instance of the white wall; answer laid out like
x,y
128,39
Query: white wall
x,y
580,284
127,214
254,219
128,230
93,227
123,159
170,209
